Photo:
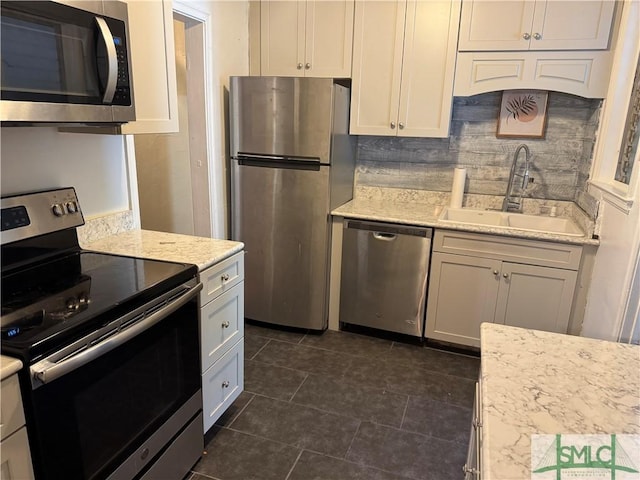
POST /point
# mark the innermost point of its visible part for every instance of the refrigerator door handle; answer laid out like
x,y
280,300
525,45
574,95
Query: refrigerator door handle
x,y
278,161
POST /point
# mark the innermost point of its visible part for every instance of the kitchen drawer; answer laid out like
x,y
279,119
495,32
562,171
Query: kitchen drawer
x,y
222,384
16,456
221,325
11,413
221,277
517,250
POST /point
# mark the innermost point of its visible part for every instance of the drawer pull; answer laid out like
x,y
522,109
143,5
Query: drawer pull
x,y
225,384
225,277
496,272
225,324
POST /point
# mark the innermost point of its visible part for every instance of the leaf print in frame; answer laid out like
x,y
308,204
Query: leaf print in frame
x,y
523,114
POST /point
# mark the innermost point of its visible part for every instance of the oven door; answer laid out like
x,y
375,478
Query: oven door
x,y
93,412
63,64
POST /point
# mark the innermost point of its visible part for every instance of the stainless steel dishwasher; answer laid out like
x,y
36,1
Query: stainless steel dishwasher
x,y
384,276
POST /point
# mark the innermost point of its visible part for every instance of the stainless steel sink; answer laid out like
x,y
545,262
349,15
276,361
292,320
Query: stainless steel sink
x,y
511,221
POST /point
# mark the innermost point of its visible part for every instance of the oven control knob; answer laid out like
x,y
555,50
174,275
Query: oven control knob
x,y
72,207
72,303
58,210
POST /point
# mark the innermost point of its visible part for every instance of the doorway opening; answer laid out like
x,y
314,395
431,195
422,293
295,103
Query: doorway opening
x,y
173,168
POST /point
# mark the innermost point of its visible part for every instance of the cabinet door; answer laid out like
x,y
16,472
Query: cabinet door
x,y
222,383
328,38
221,325
571,25
462,294
377,62
428,65
499,25
153,66
535,297
16,457
282,25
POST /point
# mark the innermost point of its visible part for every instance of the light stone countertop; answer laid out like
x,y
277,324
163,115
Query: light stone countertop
x,y
8,366
549,383
413,207
201,251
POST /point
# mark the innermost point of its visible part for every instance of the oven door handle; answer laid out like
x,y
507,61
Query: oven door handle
x,y
46,371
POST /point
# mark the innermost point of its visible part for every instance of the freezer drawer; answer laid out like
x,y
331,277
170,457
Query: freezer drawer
x,y
384,276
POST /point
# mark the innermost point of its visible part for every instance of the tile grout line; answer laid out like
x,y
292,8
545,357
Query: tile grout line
x,y
294,464
352,440
404,414
299,387
242,409
260,349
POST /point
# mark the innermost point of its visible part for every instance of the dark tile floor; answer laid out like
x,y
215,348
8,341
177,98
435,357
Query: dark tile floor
x,y
343,406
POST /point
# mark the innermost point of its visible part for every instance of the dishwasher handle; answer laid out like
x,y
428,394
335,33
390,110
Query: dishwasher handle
x,y
385,237
388,229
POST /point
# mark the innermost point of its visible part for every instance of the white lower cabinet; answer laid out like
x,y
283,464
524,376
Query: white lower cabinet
x,y
221,324
222,383
481,278
222,336
16,456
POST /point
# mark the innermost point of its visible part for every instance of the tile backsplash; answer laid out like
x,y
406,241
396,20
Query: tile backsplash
x,y
560,161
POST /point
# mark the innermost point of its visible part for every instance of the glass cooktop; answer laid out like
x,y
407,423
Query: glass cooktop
x,y
73,294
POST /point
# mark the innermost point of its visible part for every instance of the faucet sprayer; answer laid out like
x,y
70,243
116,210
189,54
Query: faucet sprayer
x,y
508,203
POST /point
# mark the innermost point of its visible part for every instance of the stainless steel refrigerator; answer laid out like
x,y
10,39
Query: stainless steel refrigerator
x,y
292,162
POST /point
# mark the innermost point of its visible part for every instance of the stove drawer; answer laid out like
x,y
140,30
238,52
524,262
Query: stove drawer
x,y
222,384
221,325
221,277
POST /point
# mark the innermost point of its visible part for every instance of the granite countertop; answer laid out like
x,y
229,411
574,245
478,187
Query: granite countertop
x,y
549,383
412,207
172,247
8,366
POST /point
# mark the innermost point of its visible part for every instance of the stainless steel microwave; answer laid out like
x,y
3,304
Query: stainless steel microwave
x,y
65,62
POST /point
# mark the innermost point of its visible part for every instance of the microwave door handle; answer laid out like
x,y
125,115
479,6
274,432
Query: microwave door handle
x,y
112,60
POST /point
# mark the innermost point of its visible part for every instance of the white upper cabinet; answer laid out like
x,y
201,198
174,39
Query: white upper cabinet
x,y
403,65
153,67
306,38
535,25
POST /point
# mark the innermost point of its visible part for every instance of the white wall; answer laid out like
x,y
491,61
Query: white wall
x,y
35,158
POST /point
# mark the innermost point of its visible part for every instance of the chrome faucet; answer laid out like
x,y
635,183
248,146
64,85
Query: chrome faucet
x,y
508,204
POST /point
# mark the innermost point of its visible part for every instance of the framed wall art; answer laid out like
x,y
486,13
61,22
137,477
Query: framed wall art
x,y
523,114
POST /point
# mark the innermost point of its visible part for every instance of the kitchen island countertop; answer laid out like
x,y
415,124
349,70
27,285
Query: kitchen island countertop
x,y
201,251
535,382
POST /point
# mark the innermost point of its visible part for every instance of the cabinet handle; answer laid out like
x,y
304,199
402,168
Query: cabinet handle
x,y
299,66
307,66
225,324
225,277
401,125
537,36
496,272
505,275
393,125
225,384
526,36
476,423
